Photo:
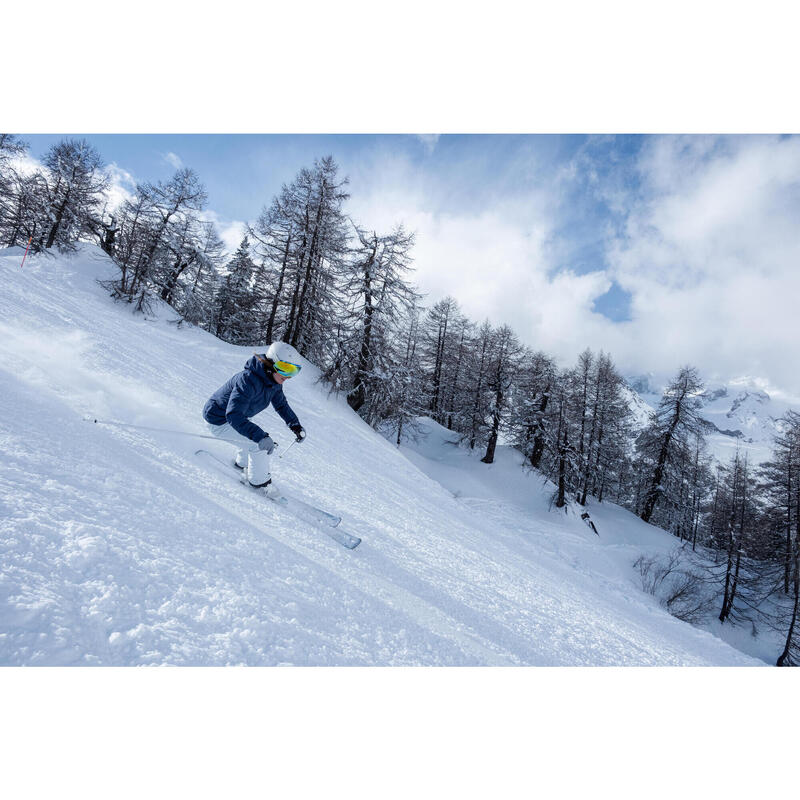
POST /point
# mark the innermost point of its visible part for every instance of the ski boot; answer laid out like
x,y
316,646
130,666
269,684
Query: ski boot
x,y
270,490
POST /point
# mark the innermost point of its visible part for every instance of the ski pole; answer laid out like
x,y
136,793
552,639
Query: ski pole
x,y
26,252
288,449
145,428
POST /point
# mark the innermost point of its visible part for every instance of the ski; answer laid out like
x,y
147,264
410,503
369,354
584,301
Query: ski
x,y
298,505
299,508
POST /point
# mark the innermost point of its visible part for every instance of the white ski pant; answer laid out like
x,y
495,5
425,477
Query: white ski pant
x,y
255,461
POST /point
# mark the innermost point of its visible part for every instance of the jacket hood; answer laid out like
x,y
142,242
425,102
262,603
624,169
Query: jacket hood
x,y
257,368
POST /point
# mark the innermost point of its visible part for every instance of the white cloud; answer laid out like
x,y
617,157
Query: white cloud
x,y
493,260
230,231
231,234
26,164
173,159
709,255
121,186
711,258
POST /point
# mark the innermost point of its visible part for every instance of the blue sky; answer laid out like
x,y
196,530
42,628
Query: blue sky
x,y
662,250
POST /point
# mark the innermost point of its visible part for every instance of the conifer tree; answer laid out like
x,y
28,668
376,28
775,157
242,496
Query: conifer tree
x,y
505,353
235,321
275,237
322,240
24,210
663,444
159,237
10,148
477,392
529,421
196,304
75,185
604,425
378,295
409,396
780,488
440,340
738,510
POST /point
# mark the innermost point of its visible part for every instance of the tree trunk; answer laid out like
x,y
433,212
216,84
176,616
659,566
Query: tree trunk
x,y
57,224
296,294
489,457
454,386
788,559
437,371
358,394
476,405
654,492
785,658
561,499
312,251
169,287
538,439
277,296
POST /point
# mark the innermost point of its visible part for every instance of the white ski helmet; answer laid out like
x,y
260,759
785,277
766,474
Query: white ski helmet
x,y
281,353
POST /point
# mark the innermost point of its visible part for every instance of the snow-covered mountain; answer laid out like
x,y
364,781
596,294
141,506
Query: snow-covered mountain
x,y
739,415
119,546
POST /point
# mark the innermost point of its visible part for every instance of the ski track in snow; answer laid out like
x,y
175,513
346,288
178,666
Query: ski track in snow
x,y
119,547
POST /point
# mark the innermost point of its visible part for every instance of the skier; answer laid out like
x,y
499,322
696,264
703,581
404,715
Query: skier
x,y
250,391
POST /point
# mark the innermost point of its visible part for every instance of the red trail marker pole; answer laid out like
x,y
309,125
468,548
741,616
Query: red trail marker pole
x,y
26,252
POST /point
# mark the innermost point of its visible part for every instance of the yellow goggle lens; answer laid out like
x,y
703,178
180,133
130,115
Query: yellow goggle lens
x,y
286,368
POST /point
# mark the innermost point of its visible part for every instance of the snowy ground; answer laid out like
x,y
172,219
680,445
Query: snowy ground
x,y
120,547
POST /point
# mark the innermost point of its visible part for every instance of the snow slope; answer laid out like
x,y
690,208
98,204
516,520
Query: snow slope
x,y
120,547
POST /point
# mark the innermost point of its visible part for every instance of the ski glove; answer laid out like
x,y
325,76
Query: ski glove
x,y
298,431
267,444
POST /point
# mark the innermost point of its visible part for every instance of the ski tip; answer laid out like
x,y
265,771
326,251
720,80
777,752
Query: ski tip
x,y
351,542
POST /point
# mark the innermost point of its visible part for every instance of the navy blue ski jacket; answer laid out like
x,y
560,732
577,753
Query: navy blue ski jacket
x,y
245,395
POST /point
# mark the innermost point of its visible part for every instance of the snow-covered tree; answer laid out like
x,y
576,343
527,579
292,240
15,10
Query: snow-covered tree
x,y
780,492
378,296
664,444
400,396
737,508
159,237
442,339
477,394
10,148
408,397
322,244
301,239
528,416
75,185
505,353
780,489
24,210
196,302
275,237
234,320
24,206
604,424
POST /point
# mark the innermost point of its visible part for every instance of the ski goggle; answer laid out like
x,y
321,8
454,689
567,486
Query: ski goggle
x,y
286,368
